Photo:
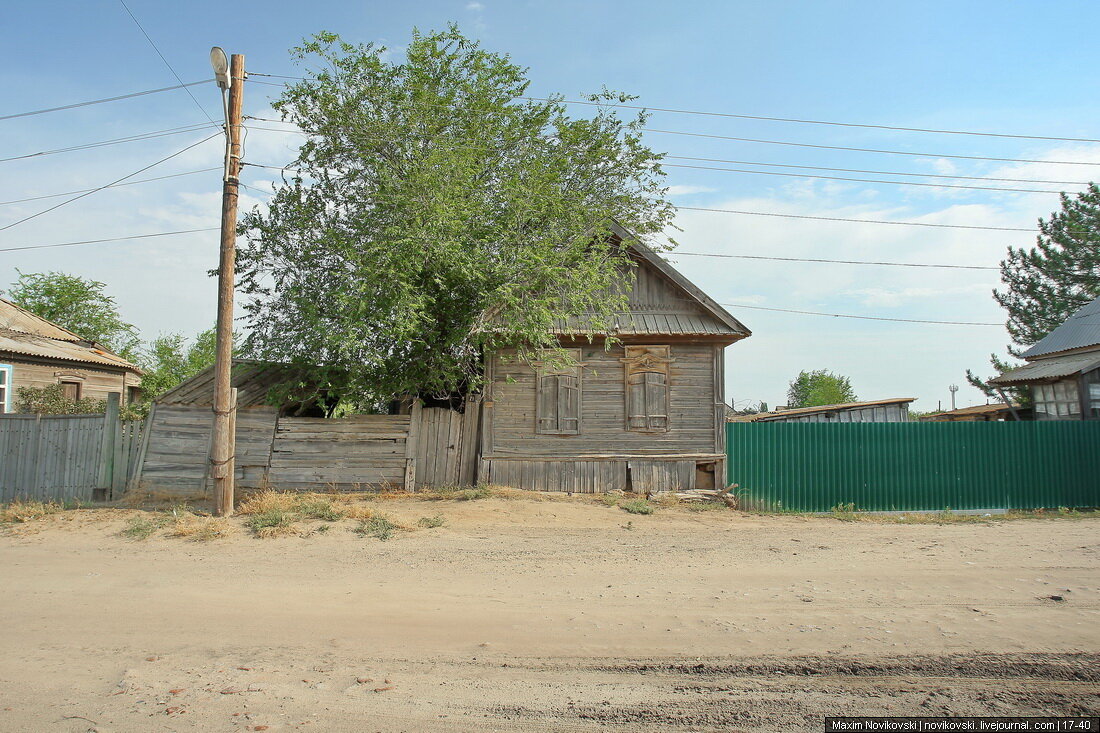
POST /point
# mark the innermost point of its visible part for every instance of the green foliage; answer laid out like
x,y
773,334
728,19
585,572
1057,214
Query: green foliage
x,y
50,400
377,526
78,304
819,387
320,508
637,506
170,359
271,523
431,522
143,527
436,213
1047,283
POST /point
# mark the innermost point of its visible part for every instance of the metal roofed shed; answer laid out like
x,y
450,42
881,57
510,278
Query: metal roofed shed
x,y
1081,330
976,413
892,410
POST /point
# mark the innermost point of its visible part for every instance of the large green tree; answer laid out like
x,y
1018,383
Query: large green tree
x,y
79,304
434,212
819,387
1045,284
171,358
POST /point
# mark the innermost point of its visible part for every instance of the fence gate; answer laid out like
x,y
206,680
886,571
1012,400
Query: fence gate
x,y
446,445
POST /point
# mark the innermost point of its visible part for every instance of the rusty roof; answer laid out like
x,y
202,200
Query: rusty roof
x,y
22,332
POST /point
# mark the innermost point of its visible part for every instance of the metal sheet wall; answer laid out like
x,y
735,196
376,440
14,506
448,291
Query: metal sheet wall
x,y
915,466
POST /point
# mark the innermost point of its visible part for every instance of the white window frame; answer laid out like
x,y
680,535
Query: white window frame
x,y
5,401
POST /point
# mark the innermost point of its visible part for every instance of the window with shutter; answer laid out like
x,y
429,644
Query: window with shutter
x,y
647,388
5,388
558,406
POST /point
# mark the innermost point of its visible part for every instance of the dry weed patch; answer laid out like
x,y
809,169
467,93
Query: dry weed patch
x,y
20,511
201,529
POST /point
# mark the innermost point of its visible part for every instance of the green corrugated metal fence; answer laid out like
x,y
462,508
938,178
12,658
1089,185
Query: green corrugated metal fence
x,y
814,467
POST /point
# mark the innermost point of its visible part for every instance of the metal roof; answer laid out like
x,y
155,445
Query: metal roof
x,y
1054,367
22,332
765,416
1080,330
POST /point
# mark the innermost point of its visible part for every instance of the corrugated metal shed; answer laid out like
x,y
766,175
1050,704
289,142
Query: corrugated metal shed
x,y
1055,367
253,381
1080,330
894,410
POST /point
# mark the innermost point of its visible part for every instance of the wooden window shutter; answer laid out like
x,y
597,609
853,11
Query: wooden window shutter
x,y
558,402
647,388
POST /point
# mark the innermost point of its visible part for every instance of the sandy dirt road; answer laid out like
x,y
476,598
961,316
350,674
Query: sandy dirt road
x,y
523,615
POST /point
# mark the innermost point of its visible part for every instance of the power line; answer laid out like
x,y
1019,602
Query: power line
x,y
111,239
866,150
162,58
112,183
676,253
782,216
181,85
861,180
878,172
115,141
817,122
858,221
866,318
131,183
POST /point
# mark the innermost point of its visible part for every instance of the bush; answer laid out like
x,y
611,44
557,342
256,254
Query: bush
x,y
637,506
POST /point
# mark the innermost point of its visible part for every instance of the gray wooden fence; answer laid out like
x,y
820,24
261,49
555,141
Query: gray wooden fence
x,y
68,457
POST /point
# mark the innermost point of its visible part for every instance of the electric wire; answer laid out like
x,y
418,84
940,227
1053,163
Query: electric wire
x,y
115,141
677,253
110,239
131,183
865,318
112,183
162,58
101,101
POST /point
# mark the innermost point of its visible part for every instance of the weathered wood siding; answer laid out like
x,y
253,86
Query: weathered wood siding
x,y
692,396
96,382
349,454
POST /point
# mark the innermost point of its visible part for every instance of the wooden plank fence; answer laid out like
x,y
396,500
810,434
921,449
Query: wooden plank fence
x,y
68,457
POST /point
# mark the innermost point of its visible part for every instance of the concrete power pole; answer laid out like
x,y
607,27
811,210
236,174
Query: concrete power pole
x,y
224,441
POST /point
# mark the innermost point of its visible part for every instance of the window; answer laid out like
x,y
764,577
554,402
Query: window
x,y
5,388
1090,382
558,405
1057,401
70,389
647,383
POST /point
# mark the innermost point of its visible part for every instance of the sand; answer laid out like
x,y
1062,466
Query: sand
x,y
552,615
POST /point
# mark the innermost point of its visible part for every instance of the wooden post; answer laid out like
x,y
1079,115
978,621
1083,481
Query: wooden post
x,y
107,444
411,445
223,439
135,480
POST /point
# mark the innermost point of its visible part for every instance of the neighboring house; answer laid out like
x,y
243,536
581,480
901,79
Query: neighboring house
x,y
977,413
895,410
1063,369
648,414
35,352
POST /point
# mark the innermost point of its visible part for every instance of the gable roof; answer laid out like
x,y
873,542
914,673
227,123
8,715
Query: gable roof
x,y
22,332
1049,369
1080,330
699,314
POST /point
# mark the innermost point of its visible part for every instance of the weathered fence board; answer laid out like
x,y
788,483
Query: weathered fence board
x,y
915,466
67,457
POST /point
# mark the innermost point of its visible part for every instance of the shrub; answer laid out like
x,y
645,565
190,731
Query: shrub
x,y
377,526
431,522
637,506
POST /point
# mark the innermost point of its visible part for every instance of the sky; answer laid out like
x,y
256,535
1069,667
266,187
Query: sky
x,y
1014,68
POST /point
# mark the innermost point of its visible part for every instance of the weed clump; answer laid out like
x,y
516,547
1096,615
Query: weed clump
x,y
143,526
20,511
637,506
431,522
377,526
273,522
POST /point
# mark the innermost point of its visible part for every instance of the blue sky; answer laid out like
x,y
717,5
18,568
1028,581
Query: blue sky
x,y
1016,68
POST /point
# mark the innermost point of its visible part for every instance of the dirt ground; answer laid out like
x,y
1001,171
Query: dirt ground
x,y
520,615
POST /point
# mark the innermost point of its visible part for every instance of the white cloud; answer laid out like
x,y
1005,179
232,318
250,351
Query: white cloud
x,y
475,6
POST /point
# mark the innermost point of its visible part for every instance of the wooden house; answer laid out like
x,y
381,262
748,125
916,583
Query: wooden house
x,y
647,414
1063,369
35,352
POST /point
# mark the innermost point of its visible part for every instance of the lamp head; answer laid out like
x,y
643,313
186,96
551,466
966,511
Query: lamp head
x,y
220,62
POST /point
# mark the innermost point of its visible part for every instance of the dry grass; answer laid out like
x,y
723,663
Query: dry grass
x,y
20,511
201,529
